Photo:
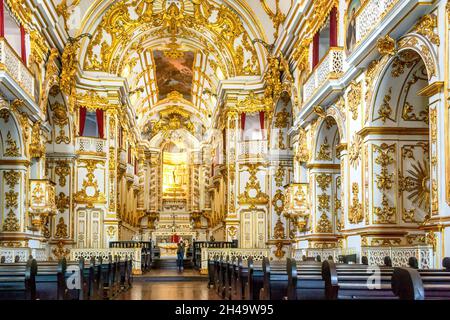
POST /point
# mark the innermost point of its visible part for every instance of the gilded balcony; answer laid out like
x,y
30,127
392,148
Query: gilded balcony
x,y
12,65
370,16
330,67
252,149
91,146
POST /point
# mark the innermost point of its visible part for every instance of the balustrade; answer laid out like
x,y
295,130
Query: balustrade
x,y
370,16
23,254
93,146
257,148
87,254
210,253
331,67
400,255
14,66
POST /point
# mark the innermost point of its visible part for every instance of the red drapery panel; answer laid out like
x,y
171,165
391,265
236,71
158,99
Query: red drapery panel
x,y
261,122
120,137
83,112
129,154
243,117
333,27
23,45
2,19
316,41
224,137
100,123
135,166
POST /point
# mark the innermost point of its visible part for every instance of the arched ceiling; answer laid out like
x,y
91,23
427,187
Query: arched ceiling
x,y
173,53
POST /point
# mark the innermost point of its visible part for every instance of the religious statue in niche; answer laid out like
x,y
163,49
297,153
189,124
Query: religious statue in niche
x,y
350,18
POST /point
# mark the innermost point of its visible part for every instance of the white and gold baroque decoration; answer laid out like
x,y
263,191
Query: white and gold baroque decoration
x,y
90,193
253,194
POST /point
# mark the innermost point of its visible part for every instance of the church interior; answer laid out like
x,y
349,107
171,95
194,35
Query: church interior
x,y
224,149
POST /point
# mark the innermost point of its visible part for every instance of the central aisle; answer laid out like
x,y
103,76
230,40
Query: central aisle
x,y
170,285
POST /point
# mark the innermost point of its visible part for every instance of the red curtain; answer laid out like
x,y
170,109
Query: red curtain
x,y
83,112
333,27
243,117
261,122
316,42
120,137
129,154
135,166
23,45
2,19
100,123
224,137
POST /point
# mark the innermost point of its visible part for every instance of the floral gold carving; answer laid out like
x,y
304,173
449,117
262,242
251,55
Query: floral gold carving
x,y
62,202
12,150
354,98
323,181
385,109
385,213
62,170
61,229
355,214
12,178
386,45
279,230
426,26
324,224
324,151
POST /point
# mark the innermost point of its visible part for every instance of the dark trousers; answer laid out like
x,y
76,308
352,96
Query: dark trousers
x,y
180,258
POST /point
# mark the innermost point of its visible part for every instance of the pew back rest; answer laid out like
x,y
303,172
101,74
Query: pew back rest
x,y
357,281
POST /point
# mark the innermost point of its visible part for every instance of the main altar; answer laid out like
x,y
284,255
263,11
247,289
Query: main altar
x,y
168,250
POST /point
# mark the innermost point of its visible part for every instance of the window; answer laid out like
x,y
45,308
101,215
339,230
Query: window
x,y
12,32
91,123
325,38
91,128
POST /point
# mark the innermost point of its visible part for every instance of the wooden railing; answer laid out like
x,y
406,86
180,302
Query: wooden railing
x,y
400,255
211,253
131,244
199,245
87,254
23,253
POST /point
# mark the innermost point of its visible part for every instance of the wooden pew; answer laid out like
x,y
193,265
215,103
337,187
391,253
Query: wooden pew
x,y
125,273
234,272
221,274
241,279
105,278
305,280
18,281
275,280
426,284
211,272
353,281
255,280
229,277
51,280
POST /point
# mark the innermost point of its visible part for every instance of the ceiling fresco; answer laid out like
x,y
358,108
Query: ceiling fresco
x,y
174,74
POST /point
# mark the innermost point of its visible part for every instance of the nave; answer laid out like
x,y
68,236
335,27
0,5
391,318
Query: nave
x,y
272,148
